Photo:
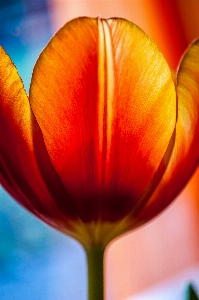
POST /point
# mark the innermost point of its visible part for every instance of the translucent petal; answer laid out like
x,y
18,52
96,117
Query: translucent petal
x,y
105,101
185,156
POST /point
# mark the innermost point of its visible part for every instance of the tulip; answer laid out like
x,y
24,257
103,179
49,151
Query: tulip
x,y
106,139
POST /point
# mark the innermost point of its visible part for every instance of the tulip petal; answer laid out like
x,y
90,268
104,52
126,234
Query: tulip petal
x,y
21,139
15,129
105,101
145,112
185,156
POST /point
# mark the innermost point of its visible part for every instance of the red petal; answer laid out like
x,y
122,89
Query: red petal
x,y
21,142
105,101
185,156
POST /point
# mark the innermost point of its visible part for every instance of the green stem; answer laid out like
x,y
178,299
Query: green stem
x,y
95,257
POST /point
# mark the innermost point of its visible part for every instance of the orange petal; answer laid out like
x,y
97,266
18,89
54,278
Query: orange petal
x,y
20,141
185,156
105,101
145,111
15,129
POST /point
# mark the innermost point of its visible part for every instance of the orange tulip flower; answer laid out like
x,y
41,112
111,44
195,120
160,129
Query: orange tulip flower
x,y
106,139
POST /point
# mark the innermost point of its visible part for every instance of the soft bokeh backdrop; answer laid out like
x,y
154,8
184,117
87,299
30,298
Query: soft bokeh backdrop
x,y
36,262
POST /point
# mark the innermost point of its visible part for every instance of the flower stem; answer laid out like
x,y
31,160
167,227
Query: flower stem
x,y
95,257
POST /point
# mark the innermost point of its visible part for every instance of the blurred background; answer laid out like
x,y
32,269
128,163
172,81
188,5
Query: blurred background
x,y
157,260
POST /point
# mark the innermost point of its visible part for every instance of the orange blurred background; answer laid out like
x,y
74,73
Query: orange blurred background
x,y
170,243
